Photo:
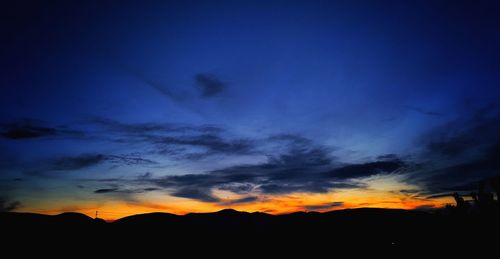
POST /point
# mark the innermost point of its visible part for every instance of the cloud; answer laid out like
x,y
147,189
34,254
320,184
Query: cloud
x,y
163,89
33,129
87,160
404,191
81,161
388,157
467,134
434,196
209,85
461,153
178,141
463,176
6,206
243,200
238,188
27,132
145,176
129,159
309,168
106,190
124,192
366,169
211,143
300,151
76,162
324,206
141,129
204,195
423,111
313,186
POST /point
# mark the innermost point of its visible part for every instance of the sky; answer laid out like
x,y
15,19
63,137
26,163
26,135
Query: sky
x,y
130,107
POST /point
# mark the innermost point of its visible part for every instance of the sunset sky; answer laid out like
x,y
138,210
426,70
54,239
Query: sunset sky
x,y
129,107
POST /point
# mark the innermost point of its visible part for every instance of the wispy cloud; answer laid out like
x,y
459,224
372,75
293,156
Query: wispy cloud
x,y
423,111
211,143
108,190
195,193
33,129
302,167
366,169
125,190
248,199
309,169
162,88
178,141
139,129
6,206
461,152
454,156
209,85
87,160
324,206
76,162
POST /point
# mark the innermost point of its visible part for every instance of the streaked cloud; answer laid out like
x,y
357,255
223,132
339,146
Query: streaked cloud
x,y
209,85
34,129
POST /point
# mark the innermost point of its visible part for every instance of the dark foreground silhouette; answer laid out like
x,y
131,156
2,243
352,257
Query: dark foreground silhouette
x,y
229,229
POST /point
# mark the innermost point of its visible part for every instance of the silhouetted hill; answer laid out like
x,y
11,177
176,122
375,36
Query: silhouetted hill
x,y
229,228
20,219
148,218
73,218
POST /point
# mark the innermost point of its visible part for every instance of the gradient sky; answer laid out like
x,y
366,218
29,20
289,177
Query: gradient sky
x,y
276,106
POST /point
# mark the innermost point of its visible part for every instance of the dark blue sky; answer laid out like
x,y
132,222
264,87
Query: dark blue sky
x,y
242,102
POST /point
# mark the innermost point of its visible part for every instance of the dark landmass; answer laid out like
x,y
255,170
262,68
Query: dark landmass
x,y
230,229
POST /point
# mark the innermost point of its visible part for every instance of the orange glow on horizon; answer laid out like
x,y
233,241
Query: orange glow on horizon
x,y
383,191
112,210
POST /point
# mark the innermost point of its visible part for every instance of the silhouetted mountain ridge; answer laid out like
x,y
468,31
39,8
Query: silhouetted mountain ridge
x,y
367,226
